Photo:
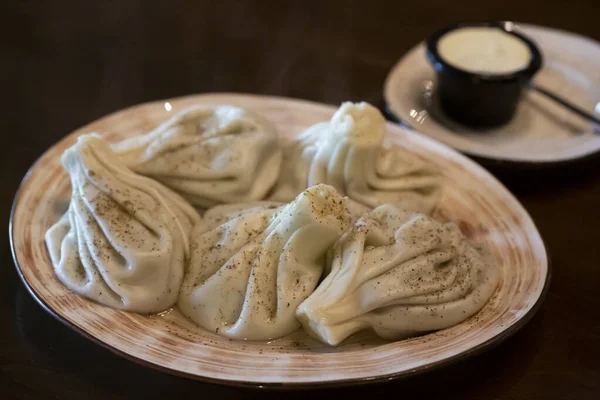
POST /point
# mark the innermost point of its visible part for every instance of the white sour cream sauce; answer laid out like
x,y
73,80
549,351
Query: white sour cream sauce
x,y
484,50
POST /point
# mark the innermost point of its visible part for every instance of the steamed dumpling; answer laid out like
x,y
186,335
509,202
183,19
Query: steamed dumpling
x,y
210,155
351,154
248,275
125,238
400,274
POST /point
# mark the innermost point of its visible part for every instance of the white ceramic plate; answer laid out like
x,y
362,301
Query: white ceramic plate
x,y
541,132
484,209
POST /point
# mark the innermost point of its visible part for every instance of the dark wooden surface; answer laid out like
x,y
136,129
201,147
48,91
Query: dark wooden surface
x,y
65,63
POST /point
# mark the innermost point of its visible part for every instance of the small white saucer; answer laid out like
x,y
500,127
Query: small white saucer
x,y
541,131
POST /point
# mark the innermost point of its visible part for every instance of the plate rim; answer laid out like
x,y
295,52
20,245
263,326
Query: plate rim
x,y
524,162
416,371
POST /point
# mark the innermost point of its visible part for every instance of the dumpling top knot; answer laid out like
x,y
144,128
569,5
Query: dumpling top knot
x,y
360,123
324,205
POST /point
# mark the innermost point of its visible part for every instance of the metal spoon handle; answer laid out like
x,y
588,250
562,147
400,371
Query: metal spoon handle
x,y
566,104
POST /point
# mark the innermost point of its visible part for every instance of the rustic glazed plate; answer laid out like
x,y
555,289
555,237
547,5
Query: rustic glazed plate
x,y
541,133
484,209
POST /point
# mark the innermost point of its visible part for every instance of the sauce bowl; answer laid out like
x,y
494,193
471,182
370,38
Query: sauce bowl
x,y
482,69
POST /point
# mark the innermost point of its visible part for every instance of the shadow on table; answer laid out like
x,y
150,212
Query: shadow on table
x,y
63,364
524,179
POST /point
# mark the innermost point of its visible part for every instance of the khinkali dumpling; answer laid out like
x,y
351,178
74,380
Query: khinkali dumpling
x,y
248,275
400,274
210,155
350,153
125,238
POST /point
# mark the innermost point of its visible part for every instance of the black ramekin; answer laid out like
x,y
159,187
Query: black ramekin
x,y
475,99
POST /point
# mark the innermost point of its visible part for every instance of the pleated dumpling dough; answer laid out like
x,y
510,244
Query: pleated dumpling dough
x,y
400,274
351,153
248,275
209,155
124,240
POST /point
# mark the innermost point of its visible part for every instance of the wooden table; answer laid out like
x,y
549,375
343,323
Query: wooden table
x,y
65,63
